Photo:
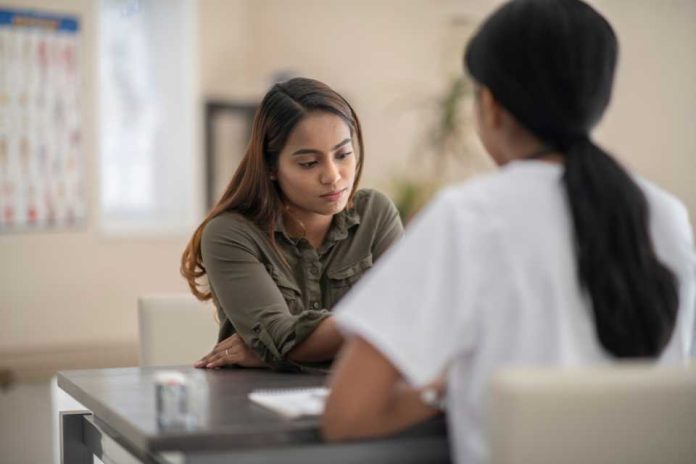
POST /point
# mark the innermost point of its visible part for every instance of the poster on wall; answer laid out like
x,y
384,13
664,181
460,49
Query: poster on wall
x,y
42,172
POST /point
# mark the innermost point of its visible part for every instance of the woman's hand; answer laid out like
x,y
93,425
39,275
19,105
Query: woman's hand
x,y
232,351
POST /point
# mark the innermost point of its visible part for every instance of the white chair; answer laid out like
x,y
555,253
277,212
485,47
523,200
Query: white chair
x,y
626,414
175,329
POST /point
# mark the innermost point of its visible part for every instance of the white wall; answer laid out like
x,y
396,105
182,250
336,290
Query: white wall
x,y
224,48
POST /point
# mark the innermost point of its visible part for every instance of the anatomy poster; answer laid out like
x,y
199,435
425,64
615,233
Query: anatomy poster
x,y
42,166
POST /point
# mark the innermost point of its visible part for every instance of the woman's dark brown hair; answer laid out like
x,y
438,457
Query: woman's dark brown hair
x,y
251,192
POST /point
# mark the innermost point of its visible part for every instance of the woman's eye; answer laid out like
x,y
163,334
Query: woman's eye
x,y
344,155
308,164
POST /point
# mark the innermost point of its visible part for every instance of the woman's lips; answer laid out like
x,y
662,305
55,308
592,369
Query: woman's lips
x,y
334,196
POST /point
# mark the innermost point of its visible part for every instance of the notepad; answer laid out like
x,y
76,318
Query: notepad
x,y
292,402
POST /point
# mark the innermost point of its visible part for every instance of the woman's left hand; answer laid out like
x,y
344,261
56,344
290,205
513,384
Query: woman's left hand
x,y
232,351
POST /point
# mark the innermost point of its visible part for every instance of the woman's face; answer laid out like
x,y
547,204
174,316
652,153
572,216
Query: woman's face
x,y
316,168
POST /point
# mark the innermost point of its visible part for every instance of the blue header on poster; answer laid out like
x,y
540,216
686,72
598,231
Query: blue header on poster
x,y
34,19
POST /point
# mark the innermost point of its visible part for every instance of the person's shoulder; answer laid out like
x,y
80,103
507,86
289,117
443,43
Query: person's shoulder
x,y
474,203
515,185
370,201
660,197
229,226
665,208
471,194
369,195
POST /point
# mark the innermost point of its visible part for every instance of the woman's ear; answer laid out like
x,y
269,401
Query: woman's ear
x,y
491,111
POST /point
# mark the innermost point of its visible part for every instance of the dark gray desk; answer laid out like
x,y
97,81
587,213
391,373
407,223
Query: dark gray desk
x,y
121,425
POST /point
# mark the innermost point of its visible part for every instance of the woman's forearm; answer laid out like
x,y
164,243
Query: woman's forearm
x,y
404,409
321,345
369,398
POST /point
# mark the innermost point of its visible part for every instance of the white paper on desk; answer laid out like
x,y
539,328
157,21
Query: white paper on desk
x,y
292,402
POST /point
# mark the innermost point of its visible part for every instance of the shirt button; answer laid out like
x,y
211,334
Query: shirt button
x,y
315,305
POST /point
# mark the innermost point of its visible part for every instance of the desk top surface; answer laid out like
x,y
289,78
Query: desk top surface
x,y
123,400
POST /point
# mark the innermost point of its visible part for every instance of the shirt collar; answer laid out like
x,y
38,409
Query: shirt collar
x,y
280,228
342,222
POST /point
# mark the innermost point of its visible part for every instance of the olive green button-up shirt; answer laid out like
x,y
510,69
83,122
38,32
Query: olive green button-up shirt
x,y
273,307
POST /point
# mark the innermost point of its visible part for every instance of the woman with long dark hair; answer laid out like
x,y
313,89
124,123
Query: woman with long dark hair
x,y
561,257
291,234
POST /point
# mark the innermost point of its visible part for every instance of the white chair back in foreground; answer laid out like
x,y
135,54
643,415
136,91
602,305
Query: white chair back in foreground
x,y
624,414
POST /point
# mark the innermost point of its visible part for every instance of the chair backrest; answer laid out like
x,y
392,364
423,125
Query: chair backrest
x,y
632,414
175,329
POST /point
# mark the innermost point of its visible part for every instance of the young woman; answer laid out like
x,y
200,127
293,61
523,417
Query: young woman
x,y
559,258
291,234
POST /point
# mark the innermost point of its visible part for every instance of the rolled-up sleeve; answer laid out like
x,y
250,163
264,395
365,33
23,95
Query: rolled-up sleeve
x,y
248,295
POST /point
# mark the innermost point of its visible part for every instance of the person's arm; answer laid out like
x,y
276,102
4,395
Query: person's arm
x,y
251,300
369,397
322,344
232,351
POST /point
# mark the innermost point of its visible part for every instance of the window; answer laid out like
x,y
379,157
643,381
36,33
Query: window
x,y
149,168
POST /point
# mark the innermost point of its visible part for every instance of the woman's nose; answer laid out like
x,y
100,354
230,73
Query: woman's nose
x,y
330,174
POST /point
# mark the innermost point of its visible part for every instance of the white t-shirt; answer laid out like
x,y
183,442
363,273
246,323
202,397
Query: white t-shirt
x,y
486,277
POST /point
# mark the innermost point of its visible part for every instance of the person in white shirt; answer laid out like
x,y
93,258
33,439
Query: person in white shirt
x,y
559,258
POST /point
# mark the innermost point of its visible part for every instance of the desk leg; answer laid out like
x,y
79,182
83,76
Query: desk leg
x,y
72,447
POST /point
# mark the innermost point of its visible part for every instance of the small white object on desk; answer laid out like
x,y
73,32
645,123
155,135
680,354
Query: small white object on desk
x,y
292,402
171,395
181,399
